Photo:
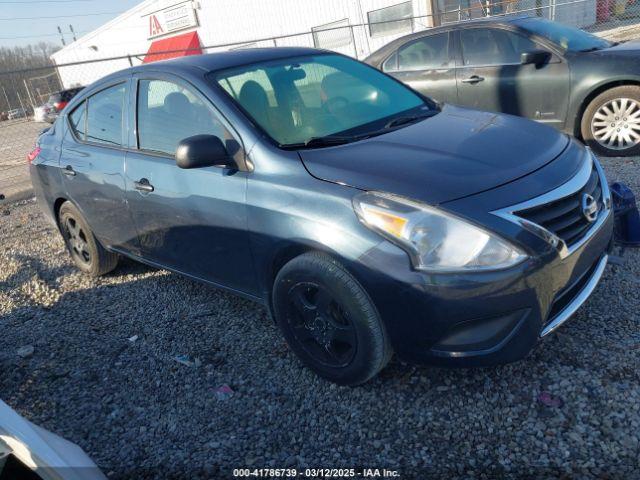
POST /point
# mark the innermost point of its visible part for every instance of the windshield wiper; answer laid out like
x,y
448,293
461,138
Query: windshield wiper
x,y
398,121
326,141
331,140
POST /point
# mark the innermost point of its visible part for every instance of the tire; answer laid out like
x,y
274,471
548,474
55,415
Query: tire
x,y
85,250
610,124
329,321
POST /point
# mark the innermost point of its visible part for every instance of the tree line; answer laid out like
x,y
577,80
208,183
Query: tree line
x,y
22,87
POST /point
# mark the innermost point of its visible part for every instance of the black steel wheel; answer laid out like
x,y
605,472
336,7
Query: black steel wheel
x,y
329,321
85,250
77,241
320,324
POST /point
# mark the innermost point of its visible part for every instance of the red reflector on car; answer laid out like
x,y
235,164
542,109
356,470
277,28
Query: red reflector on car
x,y
33,154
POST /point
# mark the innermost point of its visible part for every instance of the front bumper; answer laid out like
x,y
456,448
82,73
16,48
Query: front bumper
x,y
584,287
484,318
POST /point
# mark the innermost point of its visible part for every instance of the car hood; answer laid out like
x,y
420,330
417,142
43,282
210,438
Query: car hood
x,y
630,48
456,153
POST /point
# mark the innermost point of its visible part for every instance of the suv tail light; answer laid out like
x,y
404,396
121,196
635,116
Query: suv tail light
x,y
31,156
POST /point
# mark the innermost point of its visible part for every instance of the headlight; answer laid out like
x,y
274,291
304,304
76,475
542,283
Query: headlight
x,y
435,240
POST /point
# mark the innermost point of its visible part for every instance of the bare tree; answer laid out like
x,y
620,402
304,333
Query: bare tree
x,y
21,63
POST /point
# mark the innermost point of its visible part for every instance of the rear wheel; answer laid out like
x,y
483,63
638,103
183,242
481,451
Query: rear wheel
x,y
611,123
329,320
85,250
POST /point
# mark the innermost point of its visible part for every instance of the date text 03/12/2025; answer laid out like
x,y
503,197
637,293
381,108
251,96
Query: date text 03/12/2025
x,y
316,473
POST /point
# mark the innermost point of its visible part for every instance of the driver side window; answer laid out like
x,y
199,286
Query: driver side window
x,y
486,46
168,112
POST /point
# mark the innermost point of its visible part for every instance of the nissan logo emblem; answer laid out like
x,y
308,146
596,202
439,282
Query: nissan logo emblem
x,y
589,207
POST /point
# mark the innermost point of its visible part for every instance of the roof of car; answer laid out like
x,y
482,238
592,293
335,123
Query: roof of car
x,y
498,19
502,19
229,59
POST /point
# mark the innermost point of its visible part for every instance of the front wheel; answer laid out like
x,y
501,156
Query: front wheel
x,y
611,123
329,320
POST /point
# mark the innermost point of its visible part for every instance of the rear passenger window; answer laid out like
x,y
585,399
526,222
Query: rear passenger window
x,y
430,52
169,113
104,116
99,118
77,118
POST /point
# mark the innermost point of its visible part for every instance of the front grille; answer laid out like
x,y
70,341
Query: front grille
x,y
563,217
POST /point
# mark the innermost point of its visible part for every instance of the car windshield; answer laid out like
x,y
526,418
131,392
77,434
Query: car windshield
x,y
569,38
322,99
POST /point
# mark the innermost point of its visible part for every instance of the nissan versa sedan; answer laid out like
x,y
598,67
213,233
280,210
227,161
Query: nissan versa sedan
x,y
367,219
559,75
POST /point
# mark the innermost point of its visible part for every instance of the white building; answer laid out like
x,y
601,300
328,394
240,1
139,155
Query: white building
x,y
160,25
352,27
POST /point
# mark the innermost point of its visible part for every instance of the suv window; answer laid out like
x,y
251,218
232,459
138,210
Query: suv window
x,y
484,46
427,53
104,116
169,113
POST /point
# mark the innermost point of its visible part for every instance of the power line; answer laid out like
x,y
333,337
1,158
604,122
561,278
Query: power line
x,y
62,16
37,36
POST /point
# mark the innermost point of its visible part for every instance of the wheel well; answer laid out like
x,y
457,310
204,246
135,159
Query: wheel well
x,y
283,256
587,100
56,206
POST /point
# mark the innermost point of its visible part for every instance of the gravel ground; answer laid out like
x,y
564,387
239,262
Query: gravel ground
x,y
16,140
139,413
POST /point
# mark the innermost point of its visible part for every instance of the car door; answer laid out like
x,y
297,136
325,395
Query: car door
x,y
426,65
193,221
92,161
490,76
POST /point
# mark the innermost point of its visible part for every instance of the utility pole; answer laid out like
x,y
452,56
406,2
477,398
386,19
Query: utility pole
x,y
61,36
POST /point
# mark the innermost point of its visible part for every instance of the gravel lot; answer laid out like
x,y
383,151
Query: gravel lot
x,y
16,140
138,412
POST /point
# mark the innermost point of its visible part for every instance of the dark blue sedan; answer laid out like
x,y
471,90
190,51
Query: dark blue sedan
x,y
366,218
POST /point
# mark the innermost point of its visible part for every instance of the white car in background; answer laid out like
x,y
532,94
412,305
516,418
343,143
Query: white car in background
x,y
42,113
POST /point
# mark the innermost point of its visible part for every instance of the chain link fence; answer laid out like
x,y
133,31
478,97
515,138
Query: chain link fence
x,y
24,91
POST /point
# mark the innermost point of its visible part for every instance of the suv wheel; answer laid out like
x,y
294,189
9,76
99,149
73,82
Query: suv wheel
x,y
611,122
86,252
329,320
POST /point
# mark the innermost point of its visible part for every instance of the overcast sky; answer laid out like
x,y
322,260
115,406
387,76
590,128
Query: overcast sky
x,y
19,27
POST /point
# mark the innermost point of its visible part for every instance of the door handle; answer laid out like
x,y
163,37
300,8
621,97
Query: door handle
x,y
473,79
143,185
69,171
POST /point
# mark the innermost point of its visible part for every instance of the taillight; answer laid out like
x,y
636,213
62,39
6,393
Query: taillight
x,y
59,105
31,156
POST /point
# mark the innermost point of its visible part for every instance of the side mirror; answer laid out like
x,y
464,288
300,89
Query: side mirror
x,y
203,151
536,57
